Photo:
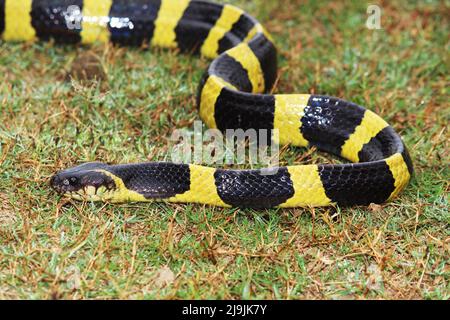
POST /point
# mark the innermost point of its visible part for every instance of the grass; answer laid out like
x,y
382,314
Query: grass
x,y
51,248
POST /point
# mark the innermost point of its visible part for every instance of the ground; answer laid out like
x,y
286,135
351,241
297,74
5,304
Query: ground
x,y
52,248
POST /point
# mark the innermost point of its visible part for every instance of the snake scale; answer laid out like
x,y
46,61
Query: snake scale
x,y
233,94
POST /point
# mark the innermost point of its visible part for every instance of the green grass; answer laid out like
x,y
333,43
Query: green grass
x,y
51,248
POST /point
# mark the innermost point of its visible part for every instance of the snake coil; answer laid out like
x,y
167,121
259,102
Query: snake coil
x,y
234,94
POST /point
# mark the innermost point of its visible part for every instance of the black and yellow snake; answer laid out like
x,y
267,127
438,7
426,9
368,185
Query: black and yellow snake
x,y
233,94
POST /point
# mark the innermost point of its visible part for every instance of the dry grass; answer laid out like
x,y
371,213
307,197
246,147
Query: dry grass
x,y
52,248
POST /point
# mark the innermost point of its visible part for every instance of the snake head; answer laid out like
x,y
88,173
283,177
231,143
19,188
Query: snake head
x,y
88,181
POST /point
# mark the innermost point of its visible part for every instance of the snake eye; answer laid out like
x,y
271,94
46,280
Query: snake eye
x,y
70,181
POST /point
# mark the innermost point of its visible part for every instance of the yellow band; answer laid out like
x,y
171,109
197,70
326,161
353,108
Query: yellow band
x,y
170,13
308,187
122,193
244,54
95,21
18,25
370,126
203,188
288,112
210,92
230,15
400,172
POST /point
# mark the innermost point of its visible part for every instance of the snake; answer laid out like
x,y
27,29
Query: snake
x,y
235,93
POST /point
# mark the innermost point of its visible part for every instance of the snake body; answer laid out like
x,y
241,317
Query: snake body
x,y
234,94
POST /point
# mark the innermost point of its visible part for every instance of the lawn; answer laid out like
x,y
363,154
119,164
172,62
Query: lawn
x,y
54,248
